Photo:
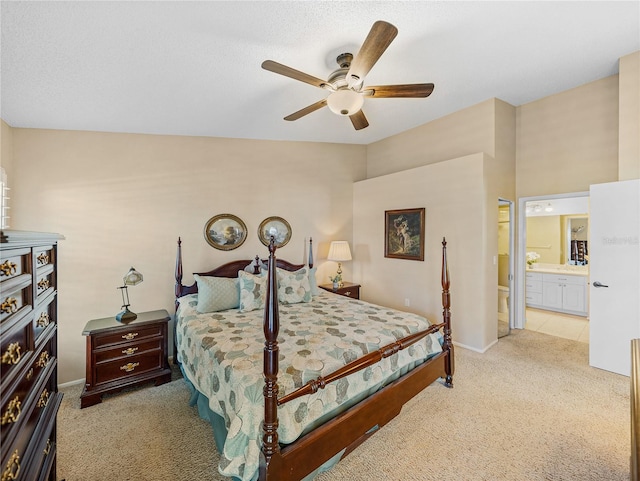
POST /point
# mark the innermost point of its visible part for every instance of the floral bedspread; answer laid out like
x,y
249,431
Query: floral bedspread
x,y
222,356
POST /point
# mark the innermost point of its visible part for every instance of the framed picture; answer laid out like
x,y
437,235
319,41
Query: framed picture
x,y
404,234
225,232
276,227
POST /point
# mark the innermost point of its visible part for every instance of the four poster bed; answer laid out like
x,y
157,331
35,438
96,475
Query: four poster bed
x,y
293,378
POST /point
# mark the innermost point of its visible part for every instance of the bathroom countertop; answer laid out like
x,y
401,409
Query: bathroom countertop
x,y
560,269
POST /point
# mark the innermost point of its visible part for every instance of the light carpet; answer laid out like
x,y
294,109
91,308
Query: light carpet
x,y
529,409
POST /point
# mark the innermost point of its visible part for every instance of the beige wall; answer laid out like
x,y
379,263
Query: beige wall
x,y
629,105
568,141
453,193
122,200
462,133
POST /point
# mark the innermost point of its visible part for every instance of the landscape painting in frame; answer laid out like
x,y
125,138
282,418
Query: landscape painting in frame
x,y
404,234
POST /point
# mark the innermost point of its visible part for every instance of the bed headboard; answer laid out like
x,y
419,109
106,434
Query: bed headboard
x,y
230,269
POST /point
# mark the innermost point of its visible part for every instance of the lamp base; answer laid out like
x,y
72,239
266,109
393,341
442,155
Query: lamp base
x,y
126,316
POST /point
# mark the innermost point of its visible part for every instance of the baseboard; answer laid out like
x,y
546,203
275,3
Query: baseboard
x,y
65,385
475,349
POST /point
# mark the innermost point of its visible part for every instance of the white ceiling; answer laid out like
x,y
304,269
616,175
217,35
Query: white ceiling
x,y
193,68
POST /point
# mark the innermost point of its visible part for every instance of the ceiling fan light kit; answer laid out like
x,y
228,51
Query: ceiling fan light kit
x,y
346,83
345,102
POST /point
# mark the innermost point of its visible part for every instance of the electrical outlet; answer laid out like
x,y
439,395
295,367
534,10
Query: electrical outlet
x,y
407,302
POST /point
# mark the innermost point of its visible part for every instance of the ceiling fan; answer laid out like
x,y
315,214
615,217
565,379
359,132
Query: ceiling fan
x,y
346,83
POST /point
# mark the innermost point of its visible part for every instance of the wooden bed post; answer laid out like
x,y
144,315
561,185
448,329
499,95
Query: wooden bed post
x,y
310,253
270,447
446,316
178,293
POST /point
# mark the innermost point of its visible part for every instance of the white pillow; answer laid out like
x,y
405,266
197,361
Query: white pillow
x,y
217,293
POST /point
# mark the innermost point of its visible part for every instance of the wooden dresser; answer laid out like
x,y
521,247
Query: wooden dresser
x,y
29,397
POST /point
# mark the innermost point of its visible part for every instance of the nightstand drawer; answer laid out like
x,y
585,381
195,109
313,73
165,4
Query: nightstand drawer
x,y
127,350
348,289
126,336
353,292
129,366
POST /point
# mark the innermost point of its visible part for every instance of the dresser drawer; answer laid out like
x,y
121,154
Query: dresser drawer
x,y
45,283
14,263
44,256
14,347
16,397
45,315
16,296
35,407
126,335
128,350
128,367
42,450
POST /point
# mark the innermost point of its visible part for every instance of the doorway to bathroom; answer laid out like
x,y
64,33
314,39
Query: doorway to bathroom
x,y
506,246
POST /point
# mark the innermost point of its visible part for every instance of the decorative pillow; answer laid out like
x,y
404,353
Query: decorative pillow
x,y
313,282
217,293
293,287
253,290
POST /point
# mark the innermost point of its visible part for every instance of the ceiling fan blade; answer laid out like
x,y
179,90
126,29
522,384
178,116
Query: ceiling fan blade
x,y
278,68
358,120
408,90
380,37
306,110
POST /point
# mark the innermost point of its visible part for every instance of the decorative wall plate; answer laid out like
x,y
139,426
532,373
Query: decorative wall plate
x,y
225,232
276,227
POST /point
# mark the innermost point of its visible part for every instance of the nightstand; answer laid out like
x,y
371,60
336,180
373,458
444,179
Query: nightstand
x,y
123,355
349,289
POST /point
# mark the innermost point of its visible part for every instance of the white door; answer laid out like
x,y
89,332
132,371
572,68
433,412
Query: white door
x,y
614,271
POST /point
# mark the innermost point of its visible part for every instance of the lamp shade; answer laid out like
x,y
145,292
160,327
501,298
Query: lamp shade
x,y
345,102
132,278
339,251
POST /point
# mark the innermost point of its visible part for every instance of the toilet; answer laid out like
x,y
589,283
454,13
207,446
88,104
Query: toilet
x,y
503,299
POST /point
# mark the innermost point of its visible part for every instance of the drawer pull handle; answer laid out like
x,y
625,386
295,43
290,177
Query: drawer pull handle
x,y
43,320
29,374
12,469
12,413
129,366
9,305
12,354
47,448
130,335
43,284
43,259
44,399
43,359
130,351
347,293
8,268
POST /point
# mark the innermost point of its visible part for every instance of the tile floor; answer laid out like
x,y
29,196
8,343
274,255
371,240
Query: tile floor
x,y
557,324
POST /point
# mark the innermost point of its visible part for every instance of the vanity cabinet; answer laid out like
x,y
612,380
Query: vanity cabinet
x,y
557,292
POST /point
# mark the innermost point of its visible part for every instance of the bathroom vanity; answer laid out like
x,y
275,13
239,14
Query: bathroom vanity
x,y
557,288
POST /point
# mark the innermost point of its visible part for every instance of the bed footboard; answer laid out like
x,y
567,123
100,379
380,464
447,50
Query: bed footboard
x,y
354,426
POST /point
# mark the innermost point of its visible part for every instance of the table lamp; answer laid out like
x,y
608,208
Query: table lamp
x,y
339,252
132,278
